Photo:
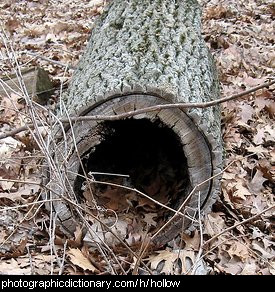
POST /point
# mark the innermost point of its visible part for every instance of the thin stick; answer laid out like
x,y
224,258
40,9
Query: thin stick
x,y
109,174
177,212
30,259
188,197
63,258
195,265
27,205
50,60
17,226
238,224
167,106
72,203
140,255
183,204
144,110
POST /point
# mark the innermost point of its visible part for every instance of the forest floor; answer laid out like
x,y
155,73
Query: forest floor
x,y
240,35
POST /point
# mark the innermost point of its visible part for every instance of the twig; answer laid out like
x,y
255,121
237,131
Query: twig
x,y
144,110
63,258
177,212
21,181
17,226
166,106
72,203
197,261
140,255
27,205
30,259
52,244
108,174
188,197
238,224
18,130
50,60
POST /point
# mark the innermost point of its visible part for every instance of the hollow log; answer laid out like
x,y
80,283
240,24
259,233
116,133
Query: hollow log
x,y
140,54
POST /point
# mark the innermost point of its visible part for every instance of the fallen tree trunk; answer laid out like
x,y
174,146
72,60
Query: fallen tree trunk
x,y
144,53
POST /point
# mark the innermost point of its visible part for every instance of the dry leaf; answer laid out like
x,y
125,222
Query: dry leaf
x,y
240,191
78,259
240,250
99,235
170,258
264,253
256,184
148,218
11,106
233,269
257,150
246,113
259,137
192,242
11,267
214,224
249,269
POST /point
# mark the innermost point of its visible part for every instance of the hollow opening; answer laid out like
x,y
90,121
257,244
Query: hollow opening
x,y
149,156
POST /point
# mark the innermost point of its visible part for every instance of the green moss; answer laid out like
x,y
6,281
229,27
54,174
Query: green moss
x,y
155,54
182,38
117,24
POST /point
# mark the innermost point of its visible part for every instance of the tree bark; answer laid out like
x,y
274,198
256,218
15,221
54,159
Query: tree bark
x,y
143,53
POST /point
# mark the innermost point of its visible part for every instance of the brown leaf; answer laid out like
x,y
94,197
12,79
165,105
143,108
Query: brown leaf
x,y
99,234
11,106
259,137
78,259
264,253
249,269
192,242
23,190
240,191
263,100
187,258
148,218
22,245
240,250
252,82
214,224
114,199
11,267
259,150
246,113
256,184
233,269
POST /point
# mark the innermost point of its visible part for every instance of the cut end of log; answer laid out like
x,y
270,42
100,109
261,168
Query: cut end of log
x,y
161,154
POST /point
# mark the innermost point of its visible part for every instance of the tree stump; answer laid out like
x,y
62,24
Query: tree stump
x,y
35,79
140,54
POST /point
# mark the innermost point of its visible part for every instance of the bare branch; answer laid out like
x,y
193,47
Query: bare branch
x,y
167,106
238,224
144,110
50,60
